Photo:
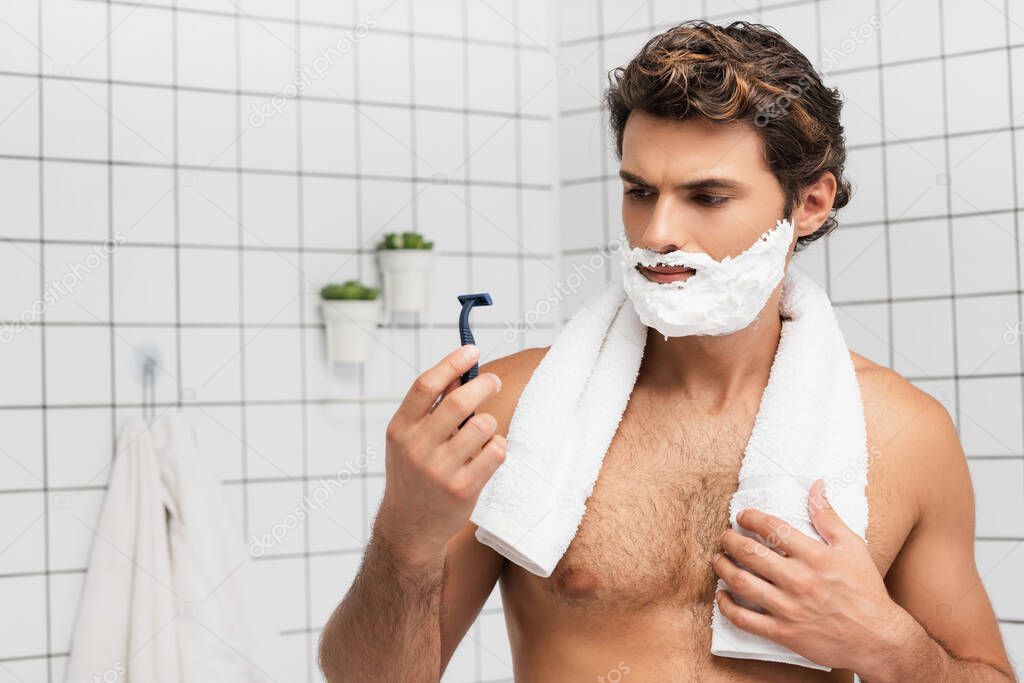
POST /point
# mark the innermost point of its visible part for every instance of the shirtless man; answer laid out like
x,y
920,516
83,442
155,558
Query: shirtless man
x,y
634,591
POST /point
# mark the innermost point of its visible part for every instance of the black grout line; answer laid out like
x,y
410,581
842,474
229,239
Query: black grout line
x,y
414,327
929,297
383,398
884,144
265,248
321,24
176,139
113,257
238,168
466,142
178,87
847,225
360,239
1016,197
69,488
886,224
517,100
643,33
52,572
44,421
303,389
240,208
826,244
52,489
29,658
417,330
604,144
949,222
314,477
898,63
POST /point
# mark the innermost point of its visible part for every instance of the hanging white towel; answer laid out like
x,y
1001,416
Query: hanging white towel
x,y
810,424
165,597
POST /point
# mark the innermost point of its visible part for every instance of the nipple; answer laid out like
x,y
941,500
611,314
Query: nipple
x,y
576,582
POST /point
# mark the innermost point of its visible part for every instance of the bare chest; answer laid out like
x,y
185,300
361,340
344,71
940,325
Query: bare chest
x,y
660,504
653,521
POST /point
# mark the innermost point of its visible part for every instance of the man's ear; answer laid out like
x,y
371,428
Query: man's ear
x,y
815,204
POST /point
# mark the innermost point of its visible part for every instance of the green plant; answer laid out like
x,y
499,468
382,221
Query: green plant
x,y
404,240
348,290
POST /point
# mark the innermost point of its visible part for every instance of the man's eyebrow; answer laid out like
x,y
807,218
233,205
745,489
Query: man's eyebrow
x,y
706,183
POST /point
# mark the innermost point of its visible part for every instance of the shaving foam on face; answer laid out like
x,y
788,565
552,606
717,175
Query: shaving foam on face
x,y
721,297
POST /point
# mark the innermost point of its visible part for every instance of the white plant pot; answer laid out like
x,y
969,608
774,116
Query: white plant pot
x,y
405,275
350,325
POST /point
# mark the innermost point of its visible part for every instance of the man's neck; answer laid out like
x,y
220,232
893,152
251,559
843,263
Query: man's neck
x,y
714,369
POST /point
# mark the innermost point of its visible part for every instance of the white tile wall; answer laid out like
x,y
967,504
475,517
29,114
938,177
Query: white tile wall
x,y
238,193
439,119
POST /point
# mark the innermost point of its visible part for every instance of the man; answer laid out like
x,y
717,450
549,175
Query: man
x,y
720,131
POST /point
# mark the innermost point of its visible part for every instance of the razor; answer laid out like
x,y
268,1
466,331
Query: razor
x,y
466,334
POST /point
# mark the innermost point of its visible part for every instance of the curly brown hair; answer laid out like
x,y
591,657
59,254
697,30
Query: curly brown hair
x,y
741,72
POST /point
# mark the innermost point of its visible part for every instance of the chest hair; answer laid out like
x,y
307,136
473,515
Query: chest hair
x,y
654,518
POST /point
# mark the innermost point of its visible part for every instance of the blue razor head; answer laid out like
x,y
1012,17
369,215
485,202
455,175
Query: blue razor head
x,y
466,334
482,299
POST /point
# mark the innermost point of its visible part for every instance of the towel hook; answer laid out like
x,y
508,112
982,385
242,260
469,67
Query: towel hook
x,y
149,357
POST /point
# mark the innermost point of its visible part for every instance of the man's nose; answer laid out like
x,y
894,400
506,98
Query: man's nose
x,y
667,227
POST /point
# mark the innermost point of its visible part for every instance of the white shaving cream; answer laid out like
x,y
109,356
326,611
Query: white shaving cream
x,y
721,297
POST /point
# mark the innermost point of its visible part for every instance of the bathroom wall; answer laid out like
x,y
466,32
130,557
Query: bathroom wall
x,y
246,151
925,268
235,155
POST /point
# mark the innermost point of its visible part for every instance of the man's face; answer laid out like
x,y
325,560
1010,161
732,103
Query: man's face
x,y
695,186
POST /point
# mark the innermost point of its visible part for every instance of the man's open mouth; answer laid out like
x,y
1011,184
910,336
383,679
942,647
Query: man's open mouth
x,y
663,273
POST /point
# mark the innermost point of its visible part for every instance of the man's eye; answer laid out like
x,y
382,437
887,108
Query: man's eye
x,y
638,193
711,199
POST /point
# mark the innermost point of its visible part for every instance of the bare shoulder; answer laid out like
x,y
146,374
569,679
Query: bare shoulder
x,y
913,443
896,409
515,371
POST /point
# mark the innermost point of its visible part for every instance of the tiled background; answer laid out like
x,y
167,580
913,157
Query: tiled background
x,y
137,119
117,117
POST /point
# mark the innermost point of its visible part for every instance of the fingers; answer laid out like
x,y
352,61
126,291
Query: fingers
x,y
457,406
478,470
428,386
467,442
467,480
452,386
778,533
746,619
826,520
747,585
758,557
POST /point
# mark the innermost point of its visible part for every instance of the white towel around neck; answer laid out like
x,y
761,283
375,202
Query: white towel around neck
x,y
810,424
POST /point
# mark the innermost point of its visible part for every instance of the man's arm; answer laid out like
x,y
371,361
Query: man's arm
x,y
950,632
827,601
471,571
387,627
472,568
403,617
407,609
